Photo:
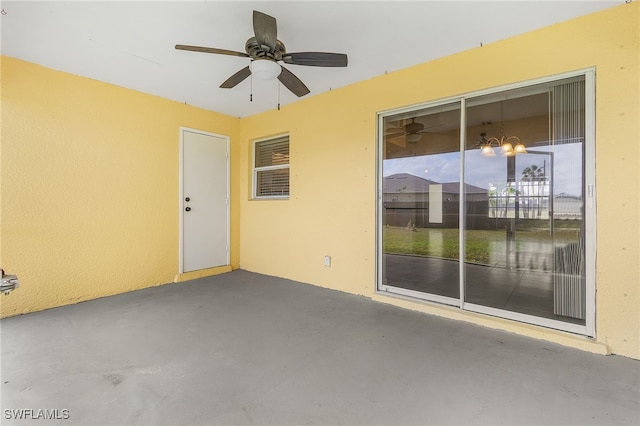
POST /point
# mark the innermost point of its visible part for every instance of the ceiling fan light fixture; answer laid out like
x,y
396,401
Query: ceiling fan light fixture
x,y
265,69
414,137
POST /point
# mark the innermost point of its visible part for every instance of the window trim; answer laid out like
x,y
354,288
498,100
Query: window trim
x,y
255,170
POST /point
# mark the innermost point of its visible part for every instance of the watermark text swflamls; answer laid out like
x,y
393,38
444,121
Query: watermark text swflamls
x,y
36,414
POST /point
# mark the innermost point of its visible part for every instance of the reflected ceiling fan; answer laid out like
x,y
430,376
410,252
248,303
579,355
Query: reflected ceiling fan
x,y
411,131
265,51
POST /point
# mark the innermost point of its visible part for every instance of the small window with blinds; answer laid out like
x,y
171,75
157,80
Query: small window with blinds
x,y
271,168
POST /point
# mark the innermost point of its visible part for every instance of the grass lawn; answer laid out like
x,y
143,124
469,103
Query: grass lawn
x,y
481,246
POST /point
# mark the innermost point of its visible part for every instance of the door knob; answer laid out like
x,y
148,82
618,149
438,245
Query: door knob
x,y
187,199
188,209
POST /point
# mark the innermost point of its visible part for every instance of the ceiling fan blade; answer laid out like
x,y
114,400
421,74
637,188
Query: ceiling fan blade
x,y
265,29
211,50
425,132
235,79
292,82
394,135
316,59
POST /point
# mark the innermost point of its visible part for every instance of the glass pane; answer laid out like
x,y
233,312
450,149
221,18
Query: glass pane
x,y
421,193
272,183
524,204
273,152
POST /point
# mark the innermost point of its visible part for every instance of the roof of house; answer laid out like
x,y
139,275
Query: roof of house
x,y
408,183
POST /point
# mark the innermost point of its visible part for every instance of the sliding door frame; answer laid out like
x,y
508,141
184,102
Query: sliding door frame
x,y
589,328
381,286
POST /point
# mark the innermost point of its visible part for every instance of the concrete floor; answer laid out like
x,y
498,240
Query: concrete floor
x,y
243,348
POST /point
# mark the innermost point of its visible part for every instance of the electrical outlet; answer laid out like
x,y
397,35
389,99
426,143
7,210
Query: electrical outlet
x,y
327,261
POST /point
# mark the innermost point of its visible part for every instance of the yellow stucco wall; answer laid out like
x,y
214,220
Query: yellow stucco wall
x,y
331,210
90,176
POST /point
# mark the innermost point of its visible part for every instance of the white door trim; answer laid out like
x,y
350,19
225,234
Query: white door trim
x,y
181,194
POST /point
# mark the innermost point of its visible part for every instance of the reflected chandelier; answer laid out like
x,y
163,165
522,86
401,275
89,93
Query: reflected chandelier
x,y
504,143
507,149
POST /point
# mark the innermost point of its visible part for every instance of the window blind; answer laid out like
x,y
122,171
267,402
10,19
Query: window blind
x,y
271,168
273,152
272,183
567,112
567,102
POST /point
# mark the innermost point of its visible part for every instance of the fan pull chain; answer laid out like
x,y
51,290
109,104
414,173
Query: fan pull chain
x,y
251,82
278,96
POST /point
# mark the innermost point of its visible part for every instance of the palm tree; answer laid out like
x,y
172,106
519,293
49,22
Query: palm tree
x,y
537,175
493,201
509,191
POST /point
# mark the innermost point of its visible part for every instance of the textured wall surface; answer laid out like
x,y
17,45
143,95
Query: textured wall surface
x,y
331,210
90,176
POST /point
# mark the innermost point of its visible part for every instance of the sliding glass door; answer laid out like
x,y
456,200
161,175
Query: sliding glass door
x,y
526,253
516,163
420,201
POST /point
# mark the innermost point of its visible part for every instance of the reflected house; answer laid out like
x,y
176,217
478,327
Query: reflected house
x,y
410,200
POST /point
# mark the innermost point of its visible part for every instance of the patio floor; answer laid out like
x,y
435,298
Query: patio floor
x,y
244,348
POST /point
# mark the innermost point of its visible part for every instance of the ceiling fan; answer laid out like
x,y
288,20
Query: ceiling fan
x,y
411,131
265,51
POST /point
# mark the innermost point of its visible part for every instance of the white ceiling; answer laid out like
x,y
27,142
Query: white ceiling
x,y
131,44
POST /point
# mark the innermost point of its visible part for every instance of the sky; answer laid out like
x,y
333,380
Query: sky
x,y
482,171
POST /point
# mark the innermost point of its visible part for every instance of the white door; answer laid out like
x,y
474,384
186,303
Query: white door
x,y
204,201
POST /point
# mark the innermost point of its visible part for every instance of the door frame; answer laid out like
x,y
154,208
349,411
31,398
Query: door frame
x,y
182,130
590,220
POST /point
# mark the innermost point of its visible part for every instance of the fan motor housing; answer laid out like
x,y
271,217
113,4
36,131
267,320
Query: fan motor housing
x,y
256,51
414,127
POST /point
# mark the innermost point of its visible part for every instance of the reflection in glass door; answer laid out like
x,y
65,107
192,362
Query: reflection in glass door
x,y
523,246
420,201
524,157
